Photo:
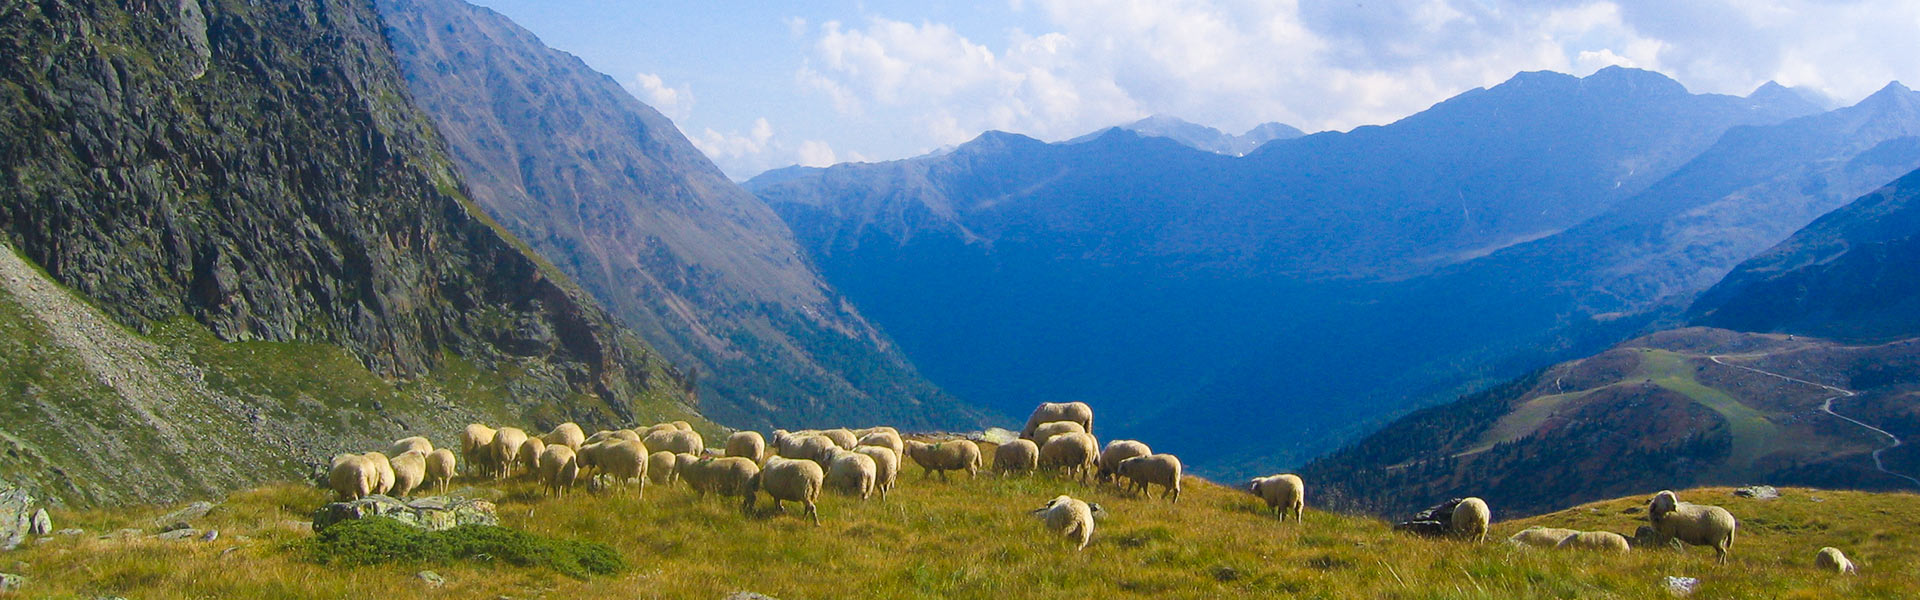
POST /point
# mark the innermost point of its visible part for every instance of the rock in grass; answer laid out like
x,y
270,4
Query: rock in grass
x,y
432,579
1758,492
438,513
185,516
12,583
41,524
1681,586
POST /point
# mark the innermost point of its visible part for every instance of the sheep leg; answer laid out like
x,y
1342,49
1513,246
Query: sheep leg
x,y
814,512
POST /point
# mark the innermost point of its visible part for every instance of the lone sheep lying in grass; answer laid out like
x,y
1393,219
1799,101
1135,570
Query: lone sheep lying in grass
x,y
1470,519
1048,412
352,476
559,468
409,469
954,455
1157,469
506,448
1016,456
1116,451
476,447
1284,493
1048,431
1541,537
1072,453
1072,518
567,434
853,473
1830,559
1595,540
747,444
884,439
440,468
789,480
405,445
662,468
1696,524
886,464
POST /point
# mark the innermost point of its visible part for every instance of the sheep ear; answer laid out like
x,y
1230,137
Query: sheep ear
x,y
1096,508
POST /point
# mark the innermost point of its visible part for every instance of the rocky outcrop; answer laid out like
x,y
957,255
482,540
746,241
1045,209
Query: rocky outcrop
x,y
432,514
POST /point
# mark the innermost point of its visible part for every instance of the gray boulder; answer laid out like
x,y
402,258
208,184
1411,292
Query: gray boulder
x,y
17,511
432,514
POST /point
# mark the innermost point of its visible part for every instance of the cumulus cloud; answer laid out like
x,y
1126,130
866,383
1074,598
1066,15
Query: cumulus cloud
x,y
675,103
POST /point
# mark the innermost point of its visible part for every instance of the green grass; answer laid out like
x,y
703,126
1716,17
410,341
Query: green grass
x,y
973,539
381,540
1753,433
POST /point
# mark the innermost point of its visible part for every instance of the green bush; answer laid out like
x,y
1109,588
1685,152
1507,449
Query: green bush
x,y
382,540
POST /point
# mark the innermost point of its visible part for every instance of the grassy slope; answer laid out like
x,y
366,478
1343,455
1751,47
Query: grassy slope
x,y
971,539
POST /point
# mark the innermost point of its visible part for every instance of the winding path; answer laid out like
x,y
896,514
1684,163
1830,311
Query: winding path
x,y
1826,406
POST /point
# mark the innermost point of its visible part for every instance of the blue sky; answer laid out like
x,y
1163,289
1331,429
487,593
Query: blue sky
x,y
760,85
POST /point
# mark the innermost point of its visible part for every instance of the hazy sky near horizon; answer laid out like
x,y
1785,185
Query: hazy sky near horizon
x,y
760,85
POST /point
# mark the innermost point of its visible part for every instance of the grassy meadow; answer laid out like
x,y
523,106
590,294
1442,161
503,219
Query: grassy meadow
x,y
973,539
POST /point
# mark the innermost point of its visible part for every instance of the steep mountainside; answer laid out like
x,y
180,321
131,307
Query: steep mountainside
x,y
247,188
1668,411
1238,296
1853,274
613,194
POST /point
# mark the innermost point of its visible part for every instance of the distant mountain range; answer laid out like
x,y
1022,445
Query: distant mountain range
x,y
1293,298
1201,137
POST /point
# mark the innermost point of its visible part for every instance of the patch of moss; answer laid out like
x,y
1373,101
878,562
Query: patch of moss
x,y
381,540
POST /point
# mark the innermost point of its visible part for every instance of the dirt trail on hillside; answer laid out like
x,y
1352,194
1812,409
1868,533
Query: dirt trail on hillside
x,y
1826,406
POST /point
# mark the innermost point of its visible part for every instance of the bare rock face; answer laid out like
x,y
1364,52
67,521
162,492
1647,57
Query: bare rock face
x,y
432,514
17,511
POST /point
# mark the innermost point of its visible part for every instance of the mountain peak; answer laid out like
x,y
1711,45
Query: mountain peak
x,y
1627,79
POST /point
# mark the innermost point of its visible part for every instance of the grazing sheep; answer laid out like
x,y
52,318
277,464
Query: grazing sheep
x,y
657,428
409,469
624,460
559,468
384,468
506,449
1116,451
567,434
939,458
1017,455
1595,540
352,476
476,443
1284,493
1048,412
1157,469
816,448
681,461
883,439
1073,518
1047,431
726,476
662,467
1470,519
788,479
629,435
853,473
1696,524
440,468
747,444
1070,452
677,440
682,425
1541,537
405,445
1830,559
842,437
864,432
886,465
530,452
597,437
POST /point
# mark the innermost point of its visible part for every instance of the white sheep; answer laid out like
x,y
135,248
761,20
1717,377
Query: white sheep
x,y
1016,456
747,444
1541,537
842,437
657,428
384,468
789,480
476,443
1070,452
559,468
441,467
853,473
530,453
1471,518
567,434
505,449
675,439
629,435
1831,559
352,476
662,467
409,444
817,448
866,431
1157,469
884,439
624,460
1595,540
886,464
1072,518
409,469
954,455
1696,524
1116,451
726,476
682,425
1047,431
1048,412
1284,493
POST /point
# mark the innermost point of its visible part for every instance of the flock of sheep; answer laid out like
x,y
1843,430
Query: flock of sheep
x,y
864,462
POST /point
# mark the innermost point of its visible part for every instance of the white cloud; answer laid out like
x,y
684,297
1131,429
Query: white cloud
x,y
719,146
675,103
815,153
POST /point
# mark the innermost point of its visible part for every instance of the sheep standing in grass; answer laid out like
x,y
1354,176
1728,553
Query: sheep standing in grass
x,y
1471,518
1541,537
384,469
1016,456
726,476
530,453
559,468
1072,453
1284,493
842,437
886,465
440,468
1831,559
405,445
884,439
1696,524
1072,518
629,435
954,455
624,460
789,480
1157,469
567,434
816,448
866,431
352,476
1606,541
656,428
1048,431
1048,412
747,444
677,440
662,468
476,444
506,449
409,469
1116,451
853,473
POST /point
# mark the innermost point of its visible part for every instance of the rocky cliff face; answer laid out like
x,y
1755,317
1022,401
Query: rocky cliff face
x,y
257,170
612,193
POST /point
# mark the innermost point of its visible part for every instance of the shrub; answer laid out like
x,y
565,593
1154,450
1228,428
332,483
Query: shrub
x,y
382,540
